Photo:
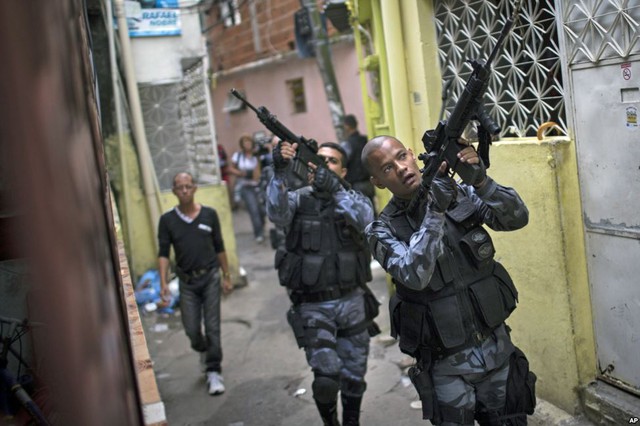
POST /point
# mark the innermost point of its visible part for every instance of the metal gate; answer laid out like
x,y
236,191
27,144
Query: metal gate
x,y
603,54
179,127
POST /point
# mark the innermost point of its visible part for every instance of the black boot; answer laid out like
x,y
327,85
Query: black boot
x,y
328,413
351,410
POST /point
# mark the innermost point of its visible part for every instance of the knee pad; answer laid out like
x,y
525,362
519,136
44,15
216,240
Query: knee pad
x,y
325,388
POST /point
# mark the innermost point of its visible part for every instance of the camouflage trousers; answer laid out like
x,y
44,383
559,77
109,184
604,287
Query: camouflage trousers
x,y
470,393
330,354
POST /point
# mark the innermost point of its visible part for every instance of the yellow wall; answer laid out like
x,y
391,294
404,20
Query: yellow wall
x,y
139,233
553,323
546,260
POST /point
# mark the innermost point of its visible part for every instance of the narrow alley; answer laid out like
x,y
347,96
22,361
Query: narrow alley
x,y
263,368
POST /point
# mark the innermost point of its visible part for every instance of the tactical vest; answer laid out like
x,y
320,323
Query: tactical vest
x,y
324,258
469,294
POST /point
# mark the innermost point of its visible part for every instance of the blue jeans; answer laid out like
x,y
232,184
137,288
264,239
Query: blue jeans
x,y
200,297
252,202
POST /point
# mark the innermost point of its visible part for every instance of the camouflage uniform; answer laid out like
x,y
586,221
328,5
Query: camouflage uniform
x,y
339,361
345,357
473,379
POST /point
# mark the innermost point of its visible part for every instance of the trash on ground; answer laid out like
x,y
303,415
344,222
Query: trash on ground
x,y
416,405
160,327
147,293
299,392
150,307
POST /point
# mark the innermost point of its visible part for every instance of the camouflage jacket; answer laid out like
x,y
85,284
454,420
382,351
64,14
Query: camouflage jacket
x,y
412,264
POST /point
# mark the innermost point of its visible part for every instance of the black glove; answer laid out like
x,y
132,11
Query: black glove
x,y
326,181
481,176
443,192
279,163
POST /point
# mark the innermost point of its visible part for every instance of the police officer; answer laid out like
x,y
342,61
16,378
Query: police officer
x,y
452,297
356,175
325,266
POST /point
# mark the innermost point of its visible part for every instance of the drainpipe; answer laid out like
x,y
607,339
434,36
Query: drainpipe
x,y
137,123
255,28
116,97
390,11
325,65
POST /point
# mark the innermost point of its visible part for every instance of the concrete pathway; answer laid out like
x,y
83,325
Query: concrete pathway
x,y
263,367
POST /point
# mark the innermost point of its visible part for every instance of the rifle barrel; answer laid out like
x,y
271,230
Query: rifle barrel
x,y
505,31
237,94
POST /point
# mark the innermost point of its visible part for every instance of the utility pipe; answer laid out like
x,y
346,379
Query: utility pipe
x,y
399,93
325,66
120,127
149,180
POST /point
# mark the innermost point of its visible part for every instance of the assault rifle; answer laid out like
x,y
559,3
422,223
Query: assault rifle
x,y
307,151
442,143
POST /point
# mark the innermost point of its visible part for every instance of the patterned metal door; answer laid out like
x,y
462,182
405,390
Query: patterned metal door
x,y
599,42
179,128
603,52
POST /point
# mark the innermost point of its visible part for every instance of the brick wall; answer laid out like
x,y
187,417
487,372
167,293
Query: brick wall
x,y
230,47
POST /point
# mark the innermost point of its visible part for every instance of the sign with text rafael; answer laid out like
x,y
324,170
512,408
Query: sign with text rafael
x,y
150,18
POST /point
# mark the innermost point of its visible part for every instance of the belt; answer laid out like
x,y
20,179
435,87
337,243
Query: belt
x,y
196,273
320,296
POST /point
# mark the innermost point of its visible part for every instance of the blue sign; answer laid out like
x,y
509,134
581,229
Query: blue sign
x,y
149,18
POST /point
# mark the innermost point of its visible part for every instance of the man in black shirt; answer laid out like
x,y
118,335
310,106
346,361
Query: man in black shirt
x,y
194,232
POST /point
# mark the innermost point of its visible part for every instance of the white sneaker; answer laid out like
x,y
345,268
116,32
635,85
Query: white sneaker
x,y
215,382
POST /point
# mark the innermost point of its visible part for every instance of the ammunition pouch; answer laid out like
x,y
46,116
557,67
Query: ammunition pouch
x,y
297,325
521,390
478,246
371,310
436,320
289,269
307,332
420,376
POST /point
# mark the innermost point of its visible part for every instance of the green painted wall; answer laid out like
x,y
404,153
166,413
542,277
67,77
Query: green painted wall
x,y
546,259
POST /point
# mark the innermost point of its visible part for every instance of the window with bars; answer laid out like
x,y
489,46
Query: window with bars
x,y
296,93
230,13
526,87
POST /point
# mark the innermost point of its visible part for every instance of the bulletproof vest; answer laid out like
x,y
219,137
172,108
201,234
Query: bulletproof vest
x,y
323,254
355,170
469,293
